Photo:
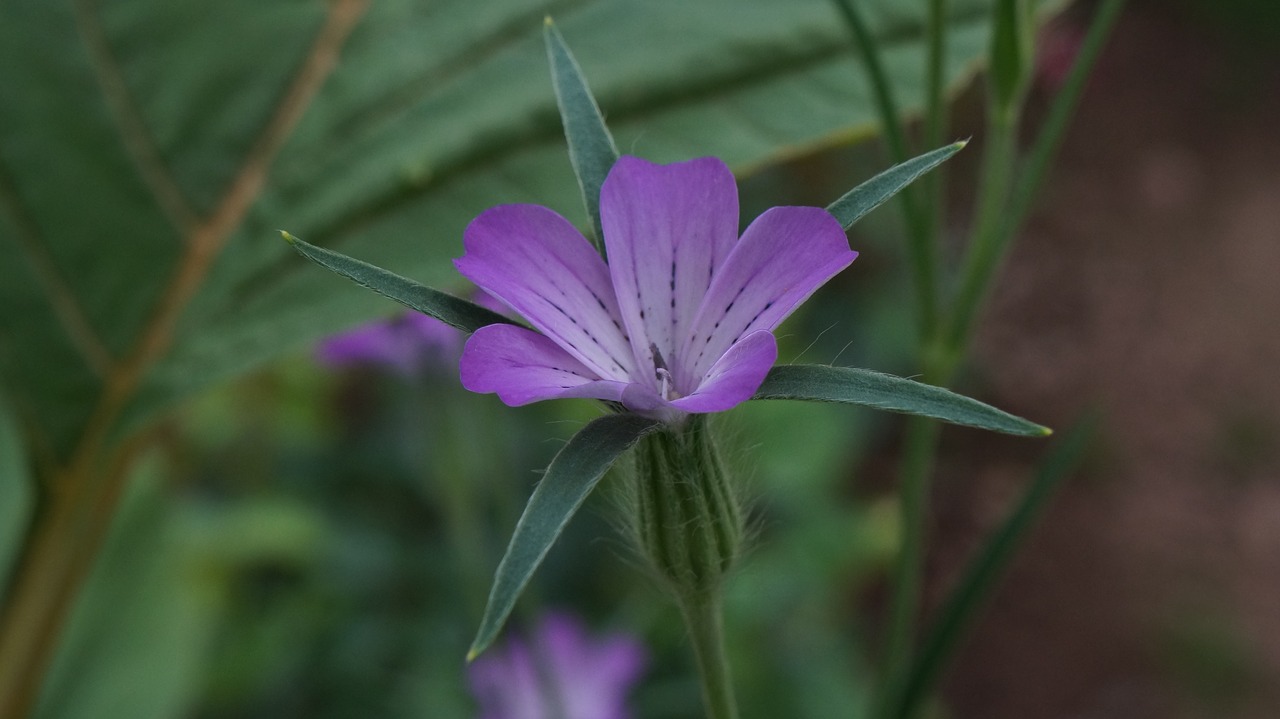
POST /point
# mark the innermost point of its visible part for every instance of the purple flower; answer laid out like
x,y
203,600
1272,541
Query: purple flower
x,y
679,321
560,673
405,344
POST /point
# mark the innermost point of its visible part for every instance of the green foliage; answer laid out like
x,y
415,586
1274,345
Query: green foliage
x,y
568,481
454,311
16,491
591,148
138,641
848,385
1012,54
145,161
856,203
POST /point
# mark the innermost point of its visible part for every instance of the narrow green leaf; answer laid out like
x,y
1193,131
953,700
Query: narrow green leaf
x,y
16,492
871,194
466,316
591,148
820,383
986,569
570,478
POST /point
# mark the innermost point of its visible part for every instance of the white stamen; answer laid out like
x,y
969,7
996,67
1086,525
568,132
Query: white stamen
x,y
665,377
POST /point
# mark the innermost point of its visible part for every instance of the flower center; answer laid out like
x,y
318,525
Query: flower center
x,y
666,382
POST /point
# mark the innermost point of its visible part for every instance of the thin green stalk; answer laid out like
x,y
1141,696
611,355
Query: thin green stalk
x,y
998,224
1049,139
921,249
703,616
987,248
936,117
919,454
984,572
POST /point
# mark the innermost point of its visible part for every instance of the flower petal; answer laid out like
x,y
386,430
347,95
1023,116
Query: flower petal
x,y
735,376
782,258
522,366
538,263
666,229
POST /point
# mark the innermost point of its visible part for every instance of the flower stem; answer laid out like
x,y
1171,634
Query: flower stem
x,y
922,250
703,616
919,454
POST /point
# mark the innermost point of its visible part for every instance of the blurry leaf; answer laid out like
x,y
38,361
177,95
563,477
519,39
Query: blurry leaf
x,y
140,632
874,192
847,385
591,148
1012,56
466,316
16,492
145,160
986,569
570,478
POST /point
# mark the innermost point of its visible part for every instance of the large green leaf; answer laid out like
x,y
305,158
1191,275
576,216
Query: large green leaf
x,y
16,493
848,385
149,149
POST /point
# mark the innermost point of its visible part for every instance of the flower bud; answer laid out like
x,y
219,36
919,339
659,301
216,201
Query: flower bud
x,y
686,516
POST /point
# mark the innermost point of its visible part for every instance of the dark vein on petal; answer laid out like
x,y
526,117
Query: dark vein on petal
x,y
62,299
129,121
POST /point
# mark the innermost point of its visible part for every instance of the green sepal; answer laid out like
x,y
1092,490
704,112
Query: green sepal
x,y
592,151
686,516
455,311
848,385
574,472
874,192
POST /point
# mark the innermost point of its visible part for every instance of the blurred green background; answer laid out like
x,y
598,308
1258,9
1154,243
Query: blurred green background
x,y
310,542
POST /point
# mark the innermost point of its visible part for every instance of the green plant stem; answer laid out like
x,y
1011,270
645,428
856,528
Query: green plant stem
x,y
1005,207
1045,148
984,571
1002,208
935,122
990,240
703,616
921,248
919,454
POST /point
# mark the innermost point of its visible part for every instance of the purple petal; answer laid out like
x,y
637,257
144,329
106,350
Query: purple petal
x,y
782,258
542,267
371,344
507,684
666,228
735,376
523,366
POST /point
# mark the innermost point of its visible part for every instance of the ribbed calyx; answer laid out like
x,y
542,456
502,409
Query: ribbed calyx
x,y
687,518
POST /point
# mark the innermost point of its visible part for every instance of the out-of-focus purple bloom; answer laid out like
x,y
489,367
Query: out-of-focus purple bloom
x,y
679,321
406,344
1060,43
558,672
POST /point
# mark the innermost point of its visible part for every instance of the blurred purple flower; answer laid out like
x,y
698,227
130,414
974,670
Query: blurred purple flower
x,y
679,321
1060,43
406,344
560,672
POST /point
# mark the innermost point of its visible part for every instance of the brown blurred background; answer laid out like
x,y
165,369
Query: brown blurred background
x,y
1147,286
